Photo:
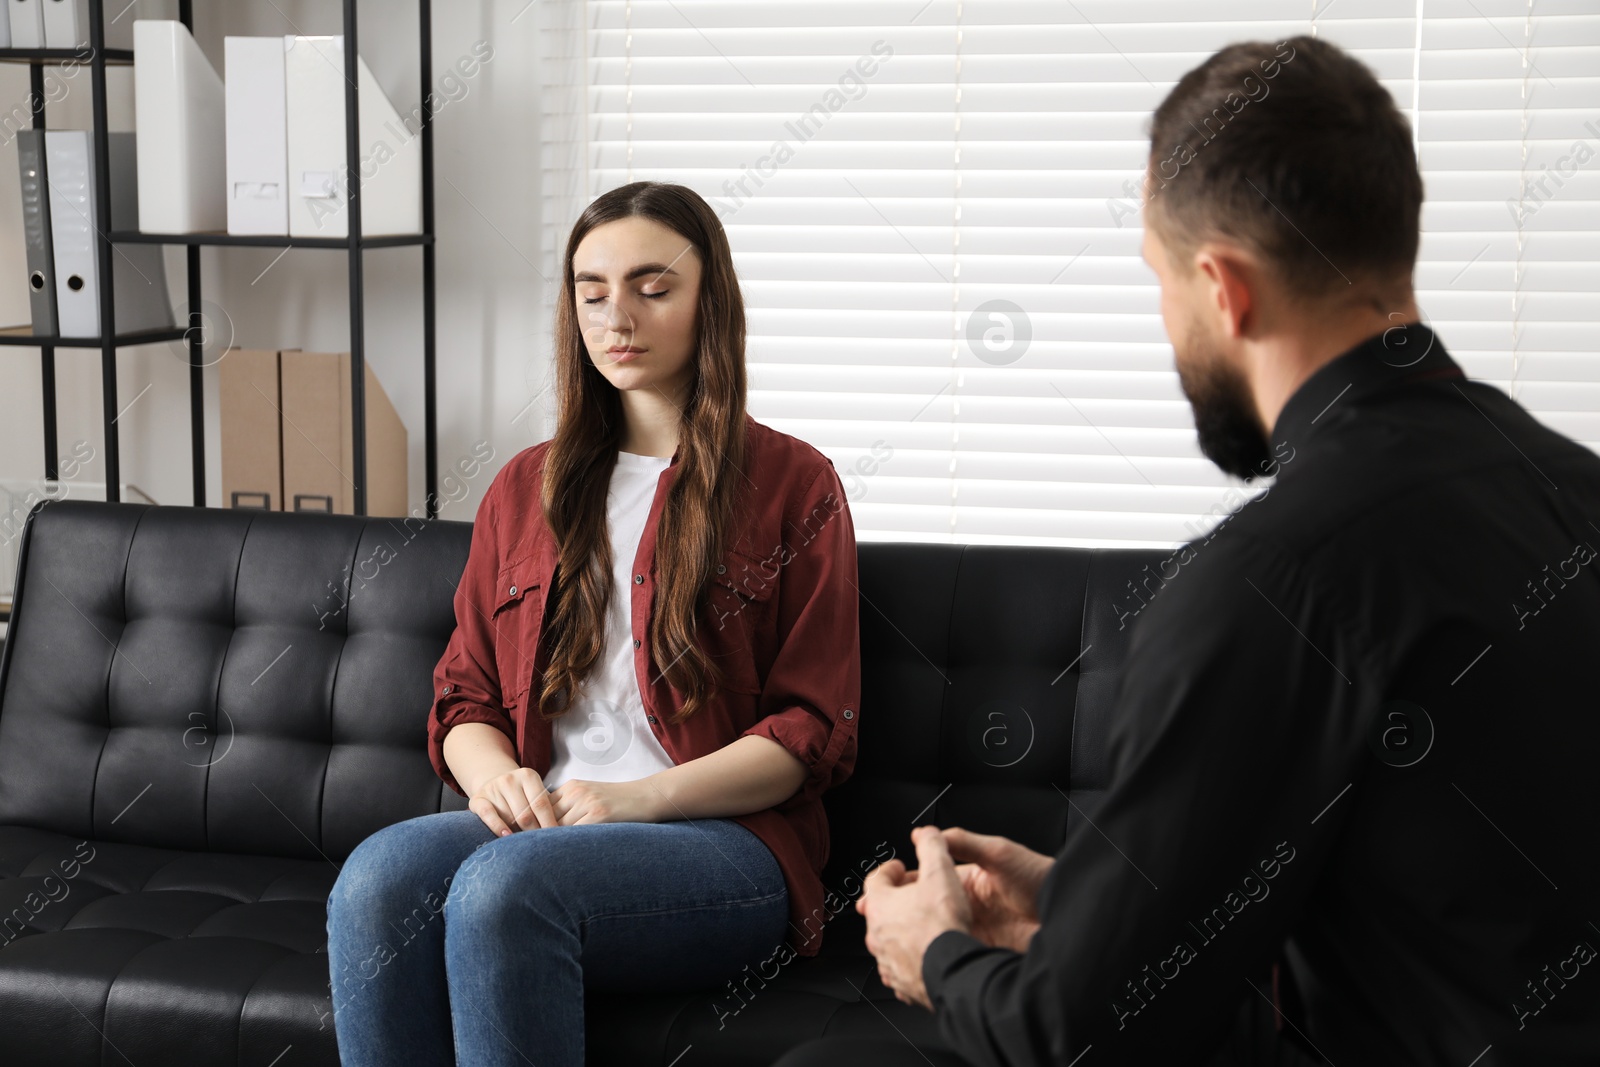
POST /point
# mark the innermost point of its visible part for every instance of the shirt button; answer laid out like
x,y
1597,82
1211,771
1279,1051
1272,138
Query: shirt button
x,y
445,691
849,714
652,719
512,591
635,642
638,579
721,568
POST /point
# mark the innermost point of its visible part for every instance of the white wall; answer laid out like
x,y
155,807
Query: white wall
x,y
493,345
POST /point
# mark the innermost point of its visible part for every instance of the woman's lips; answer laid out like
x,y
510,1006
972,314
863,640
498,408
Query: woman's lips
x,y
625,355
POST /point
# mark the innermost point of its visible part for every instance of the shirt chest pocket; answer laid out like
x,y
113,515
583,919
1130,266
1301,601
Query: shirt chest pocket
x,y
516,615
738,627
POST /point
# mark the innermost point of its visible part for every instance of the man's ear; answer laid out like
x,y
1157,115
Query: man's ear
x,y
1230,279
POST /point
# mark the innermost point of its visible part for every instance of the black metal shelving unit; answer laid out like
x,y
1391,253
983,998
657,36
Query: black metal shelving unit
x,y
98,57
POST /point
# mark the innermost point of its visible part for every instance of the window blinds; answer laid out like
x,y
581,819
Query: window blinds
x,y
934,214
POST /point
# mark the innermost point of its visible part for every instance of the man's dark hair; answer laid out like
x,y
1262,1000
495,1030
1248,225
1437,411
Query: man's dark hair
x,y
1295,151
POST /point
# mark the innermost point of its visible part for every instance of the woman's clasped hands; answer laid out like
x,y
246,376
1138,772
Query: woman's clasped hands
x,y
518,800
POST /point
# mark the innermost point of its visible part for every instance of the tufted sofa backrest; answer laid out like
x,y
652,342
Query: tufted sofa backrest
x,y
989,674
223,680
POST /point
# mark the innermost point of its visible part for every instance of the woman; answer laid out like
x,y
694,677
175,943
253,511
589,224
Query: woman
x,y
654,675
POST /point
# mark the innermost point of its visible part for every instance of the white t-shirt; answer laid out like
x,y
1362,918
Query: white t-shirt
x,y
605,737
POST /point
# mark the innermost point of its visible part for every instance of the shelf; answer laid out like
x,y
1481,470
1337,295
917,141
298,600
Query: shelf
x,y
24,336
268,240
62,55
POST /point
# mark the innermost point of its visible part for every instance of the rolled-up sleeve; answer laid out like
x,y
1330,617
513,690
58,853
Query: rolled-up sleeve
x,y
811,699
466,682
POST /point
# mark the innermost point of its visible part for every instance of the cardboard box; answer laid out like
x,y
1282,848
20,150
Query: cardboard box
x,y
287,435
317,438
252,445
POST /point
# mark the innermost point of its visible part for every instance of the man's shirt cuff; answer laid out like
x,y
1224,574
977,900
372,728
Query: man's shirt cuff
x,y
949,952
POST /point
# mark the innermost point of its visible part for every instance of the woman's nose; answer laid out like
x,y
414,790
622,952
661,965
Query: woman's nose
x,y
617,318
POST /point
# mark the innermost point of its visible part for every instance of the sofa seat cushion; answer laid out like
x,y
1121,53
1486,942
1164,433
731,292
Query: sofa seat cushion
x,y
109,948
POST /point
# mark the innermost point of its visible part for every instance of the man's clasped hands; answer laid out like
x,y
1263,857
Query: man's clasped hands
x,y
990,894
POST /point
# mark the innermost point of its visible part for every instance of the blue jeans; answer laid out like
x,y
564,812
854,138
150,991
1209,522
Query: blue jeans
x,y
449,944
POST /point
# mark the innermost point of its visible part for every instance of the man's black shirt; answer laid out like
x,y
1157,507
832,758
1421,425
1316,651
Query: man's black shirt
x,y
1357,726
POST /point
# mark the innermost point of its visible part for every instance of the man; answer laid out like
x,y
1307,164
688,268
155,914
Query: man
x,y
1356,730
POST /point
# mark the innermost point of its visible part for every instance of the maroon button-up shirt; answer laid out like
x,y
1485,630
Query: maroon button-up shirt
x,y
782,619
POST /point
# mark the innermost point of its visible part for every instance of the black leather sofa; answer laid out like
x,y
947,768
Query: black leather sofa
x,y
203,711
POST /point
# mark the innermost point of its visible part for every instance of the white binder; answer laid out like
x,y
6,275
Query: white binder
x,y
138,271
391,154
178,111
258,136
66,23
26,23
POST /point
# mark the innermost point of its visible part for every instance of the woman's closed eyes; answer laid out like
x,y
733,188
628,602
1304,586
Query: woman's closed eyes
x,y
651,296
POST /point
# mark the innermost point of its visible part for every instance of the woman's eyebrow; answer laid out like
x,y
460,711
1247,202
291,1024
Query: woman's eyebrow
x,y
643,268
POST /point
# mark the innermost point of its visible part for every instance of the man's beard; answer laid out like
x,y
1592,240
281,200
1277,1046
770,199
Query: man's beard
x,y
1224,412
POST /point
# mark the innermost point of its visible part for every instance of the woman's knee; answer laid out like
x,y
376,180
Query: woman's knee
x,y
398,864
484,890
371,875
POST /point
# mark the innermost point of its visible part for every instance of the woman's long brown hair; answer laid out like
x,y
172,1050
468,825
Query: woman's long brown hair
x,y
694,525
